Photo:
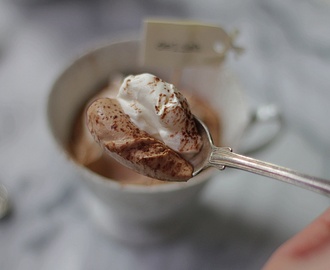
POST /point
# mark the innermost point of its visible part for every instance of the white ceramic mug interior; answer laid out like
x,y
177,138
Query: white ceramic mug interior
x,y
138,214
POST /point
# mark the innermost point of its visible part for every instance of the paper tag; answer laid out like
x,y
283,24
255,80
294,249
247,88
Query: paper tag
x,y
178,44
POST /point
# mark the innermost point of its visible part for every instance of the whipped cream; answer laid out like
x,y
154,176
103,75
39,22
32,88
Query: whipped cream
x,y
158,108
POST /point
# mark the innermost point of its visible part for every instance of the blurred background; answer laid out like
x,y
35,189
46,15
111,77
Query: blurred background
x,y
241,220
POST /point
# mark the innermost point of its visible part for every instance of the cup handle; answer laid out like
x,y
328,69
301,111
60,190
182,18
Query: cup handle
x,y
264,126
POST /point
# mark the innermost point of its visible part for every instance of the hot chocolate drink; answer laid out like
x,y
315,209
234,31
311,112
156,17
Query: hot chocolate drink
x,y
181,137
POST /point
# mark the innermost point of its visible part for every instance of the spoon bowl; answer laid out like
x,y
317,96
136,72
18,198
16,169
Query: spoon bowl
x,y
200,161
222,157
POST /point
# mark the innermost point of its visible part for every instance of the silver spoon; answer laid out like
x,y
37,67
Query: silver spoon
x,y
221,157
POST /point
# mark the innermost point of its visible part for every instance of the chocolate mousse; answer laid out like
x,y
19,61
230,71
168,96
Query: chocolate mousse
x,y
133,147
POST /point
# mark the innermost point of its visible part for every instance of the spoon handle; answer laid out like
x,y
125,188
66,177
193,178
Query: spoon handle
x,y
222,157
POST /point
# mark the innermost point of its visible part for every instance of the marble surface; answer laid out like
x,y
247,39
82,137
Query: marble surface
x,y
241,219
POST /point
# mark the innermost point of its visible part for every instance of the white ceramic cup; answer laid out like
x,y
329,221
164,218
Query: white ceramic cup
x,y
134,213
